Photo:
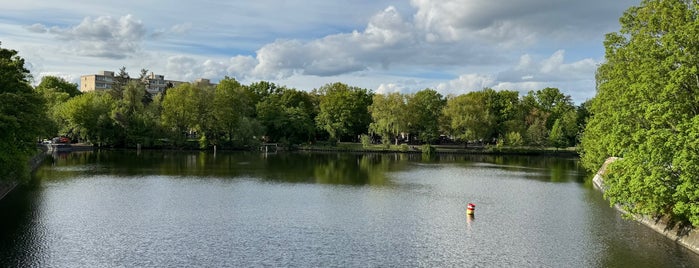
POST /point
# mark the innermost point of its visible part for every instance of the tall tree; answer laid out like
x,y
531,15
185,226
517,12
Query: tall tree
x,y
179,114
468,117
89,117
231,104
130,117
22,116
506,109
647,111
120,81
58,84
287,116
425,109
344,110
388,113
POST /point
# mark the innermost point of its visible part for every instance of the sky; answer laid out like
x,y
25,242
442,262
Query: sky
x,y
452,46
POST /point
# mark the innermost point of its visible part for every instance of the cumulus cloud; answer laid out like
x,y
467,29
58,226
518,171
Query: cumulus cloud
x,y
386,35
440,33
552,69
104,36
466,83
514,21
531,74
389,88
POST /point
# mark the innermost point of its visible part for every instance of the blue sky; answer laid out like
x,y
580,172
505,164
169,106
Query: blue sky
x,y
453,46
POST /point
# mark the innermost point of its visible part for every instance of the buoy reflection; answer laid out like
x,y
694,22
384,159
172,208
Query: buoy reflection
x,y
469,220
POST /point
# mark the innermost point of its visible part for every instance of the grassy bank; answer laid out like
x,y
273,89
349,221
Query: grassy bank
x,y
440,149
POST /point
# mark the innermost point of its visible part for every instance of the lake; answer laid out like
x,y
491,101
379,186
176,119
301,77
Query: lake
x,y
199,209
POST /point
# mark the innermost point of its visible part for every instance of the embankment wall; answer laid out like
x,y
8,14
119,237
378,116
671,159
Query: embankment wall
x,y
683,235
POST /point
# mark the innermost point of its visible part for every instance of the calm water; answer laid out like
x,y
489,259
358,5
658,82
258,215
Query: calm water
x,y
155,209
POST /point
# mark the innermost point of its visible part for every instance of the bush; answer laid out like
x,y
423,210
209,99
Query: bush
x,y
514,139
366,140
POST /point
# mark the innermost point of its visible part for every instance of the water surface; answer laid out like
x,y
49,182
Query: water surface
x,y
181,209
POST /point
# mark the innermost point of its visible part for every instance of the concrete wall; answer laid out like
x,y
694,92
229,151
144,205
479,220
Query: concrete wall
x,y
683,235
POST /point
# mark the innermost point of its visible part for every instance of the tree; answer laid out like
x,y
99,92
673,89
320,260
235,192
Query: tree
x,y
424,108
120,80
58,84
647,111
130,116
287,116
22,116
468,117
557,136
261,90
179,113
388,115
507,112
186,111
231,104
88,117
344,110
55,92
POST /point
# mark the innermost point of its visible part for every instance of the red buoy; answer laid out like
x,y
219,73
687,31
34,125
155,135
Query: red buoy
x,y
470,208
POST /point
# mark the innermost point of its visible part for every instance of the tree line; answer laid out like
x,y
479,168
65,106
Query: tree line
x,y
236,116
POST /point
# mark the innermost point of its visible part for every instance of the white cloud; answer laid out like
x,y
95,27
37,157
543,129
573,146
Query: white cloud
x,y
552,69
385,34
466,83
577,77
181,28
103,36
389,88
37,28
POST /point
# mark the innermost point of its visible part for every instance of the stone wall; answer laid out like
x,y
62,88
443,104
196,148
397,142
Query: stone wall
x,y
683,235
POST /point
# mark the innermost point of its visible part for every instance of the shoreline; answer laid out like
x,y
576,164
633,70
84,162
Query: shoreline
x,y
7,186
441,149
685,236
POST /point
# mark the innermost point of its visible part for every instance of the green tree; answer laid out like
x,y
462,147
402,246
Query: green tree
x,y
287,116
231,104
58,84
425,109
179,114
344,110
55,92
646,111
136,126
557,136
388,113
468,117
507,112
22,116
120,80
88,117
260,90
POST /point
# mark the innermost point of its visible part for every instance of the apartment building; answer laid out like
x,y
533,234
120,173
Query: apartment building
x,y
155,83
100,81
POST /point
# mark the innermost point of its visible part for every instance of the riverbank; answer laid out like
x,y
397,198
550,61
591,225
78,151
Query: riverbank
x,y
442,149
681,234
7,186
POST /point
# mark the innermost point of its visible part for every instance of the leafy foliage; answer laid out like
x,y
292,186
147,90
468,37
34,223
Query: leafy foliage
x,y
344,110
424,109
646,111
388,115
22,116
